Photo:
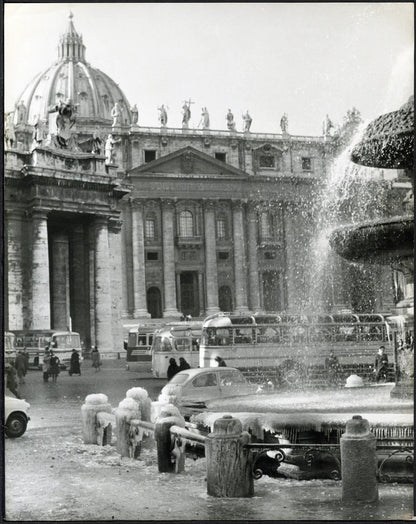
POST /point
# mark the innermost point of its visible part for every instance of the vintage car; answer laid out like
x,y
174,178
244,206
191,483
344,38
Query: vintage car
x,y
15,416
192,388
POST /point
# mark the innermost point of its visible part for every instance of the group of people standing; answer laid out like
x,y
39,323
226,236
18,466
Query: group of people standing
x,y
174,368
15,372
50,365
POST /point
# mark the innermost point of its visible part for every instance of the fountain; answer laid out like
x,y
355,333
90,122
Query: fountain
x,y
388,143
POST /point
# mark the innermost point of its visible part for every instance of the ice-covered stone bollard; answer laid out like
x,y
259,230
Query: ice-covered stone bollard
x,y
127,411
169,416
94,404
141,396
229,464
354,381
358,462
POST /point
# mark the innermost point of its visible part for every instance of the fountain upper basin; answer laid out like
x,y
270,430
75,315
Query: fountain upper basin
x,y
382,241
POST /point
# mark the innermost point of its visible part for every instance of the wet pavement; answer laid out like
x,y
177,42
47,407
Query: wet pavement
x,y
51,475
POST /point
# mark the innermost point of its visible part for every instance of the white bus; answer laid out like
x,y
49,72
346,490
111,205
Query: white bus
x,y
294,345
60,342
175,340
9,347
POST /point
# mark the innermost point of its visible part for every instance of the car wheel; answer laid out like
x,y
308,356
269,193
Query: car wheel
x,y
16,425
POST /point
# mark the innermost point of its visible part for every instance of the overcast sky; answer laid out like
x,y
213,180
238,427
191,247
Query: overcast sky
x,y
305,59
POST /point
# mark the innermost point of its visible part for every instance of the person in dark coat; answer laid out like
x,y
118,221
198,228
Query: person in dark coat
x,y
183,364
11,379
54,366
332,368
74,368
172,369
381,364
96,360
20,365
221,362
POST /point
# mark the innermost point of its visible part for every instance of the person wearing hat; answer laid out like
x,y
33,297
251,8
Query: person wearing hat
x,y
221,362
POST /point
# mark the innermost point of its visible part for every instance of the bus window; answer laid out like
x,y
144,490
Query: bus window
x,y
166,345
183,344
141,340
222,337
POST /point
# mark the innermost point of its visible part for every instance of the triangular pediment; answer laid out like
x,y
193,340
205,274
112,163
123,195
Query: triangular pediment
x,y
188,162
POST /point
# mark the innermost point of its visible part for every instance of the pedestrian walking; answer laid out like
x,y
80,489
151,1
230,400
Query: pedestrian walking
x,y
381,364
20,365
172,369
96,359
46,364
221,362
183,364
54,366
74,367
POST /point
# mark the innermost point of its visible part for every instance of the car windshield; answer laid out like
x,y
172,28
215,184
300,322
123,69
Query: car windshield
x,y
180,378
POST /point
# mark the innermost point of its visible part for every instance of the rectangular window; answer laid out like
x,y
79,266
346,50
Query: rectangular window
x,y
306,163
152,255
221,230
149,155
223,255
266,161
269,255
221,156
149,228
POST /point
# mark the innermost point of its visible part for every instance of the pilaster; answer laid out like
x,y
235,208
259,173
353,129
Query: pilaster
x,y
210,259
240,266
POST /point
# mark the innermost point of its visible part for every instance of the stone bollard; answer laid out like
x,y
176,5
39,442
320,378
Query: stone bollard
x,y
141,396
95,403
127,410
358,462
229,464
169,416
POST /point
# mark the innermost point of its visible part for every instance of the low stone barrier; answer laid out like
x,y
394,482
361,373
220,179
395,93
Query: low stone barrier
x,y
228,449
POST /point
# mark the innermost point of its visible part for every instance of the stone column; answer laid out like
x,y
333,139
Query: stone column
x,y
14,274
103,336
169,284
210,259
41,309
253,274
79,284
240,266
60,281
114,242
139,271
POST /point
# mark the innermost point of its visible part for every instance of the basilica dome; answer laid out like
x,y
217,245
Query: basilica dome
x,y
92,91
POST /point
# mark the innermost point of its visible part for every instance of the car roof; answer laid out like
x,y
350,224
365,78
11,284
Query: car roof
x,y
197,371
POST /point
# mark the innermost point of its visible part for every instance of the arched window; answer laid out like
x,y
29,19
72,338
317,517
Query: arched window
x,y
266,225
150,228
221,227
186,224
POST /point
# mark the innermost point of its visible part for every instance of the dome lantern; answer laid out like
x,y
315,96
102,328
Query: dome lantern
x,y
70,45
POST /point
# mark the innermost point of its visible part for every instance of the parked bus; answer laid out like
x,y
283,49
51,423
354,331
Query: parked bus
x,y
294,345
175,339
9,347
60,342
139,344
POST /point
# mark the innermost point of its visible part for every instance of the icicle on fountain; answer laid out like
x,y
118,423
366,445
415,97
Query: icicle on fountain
x,y
388,143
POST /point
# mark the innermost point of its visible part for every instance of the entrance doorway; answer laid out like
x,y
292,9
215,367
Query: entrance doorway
x,y
189,293
154,302
272,293
225,300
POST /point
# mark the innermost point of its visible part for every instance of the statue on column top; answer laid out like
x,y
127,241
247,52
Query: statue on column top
x,y
9,134
21,112
65,121
247,121
230,121
327,126
163,116
204,118
116,115
109,149
135,115
186,112
38,131
284,123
